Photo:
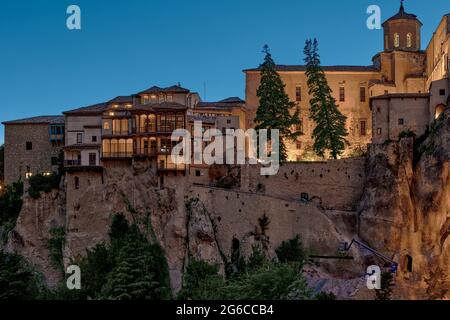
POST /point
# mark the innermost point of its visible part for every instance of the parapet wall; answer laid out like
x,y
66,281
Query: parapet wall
x,y
335,184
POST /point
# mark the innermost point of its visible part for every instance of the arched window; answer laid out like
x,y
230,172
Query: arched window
x,y
409,40
396,40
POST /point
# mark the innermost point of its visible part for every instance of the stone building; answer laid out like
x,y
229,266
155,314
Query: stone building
x,y
411,82
125,128
32,146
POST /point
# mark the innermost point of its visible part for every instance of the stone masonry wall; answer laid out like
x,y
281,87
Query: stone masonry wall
x,y
335,184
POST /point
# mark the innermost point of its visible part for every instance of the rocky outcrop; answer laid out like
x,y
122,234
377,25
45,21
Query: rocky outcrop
x,y
32,232
405,210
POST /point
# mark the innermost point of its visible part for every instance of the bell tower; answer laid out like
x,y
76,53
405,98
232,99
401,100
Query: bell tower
x,y
402,31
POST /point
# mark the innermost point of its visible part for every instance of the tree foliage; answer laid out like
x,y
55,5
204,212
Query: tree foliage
x,y
387,282
42,183
10,206
291,251
18,280
330,132
258,279
275,110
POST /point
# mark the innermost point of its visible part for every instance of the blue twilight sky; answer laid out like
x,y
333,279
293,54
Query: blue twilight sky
x,y
127,46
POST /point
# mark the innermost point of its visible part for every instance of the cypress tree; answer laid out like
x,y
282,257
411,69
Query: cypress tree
x,y
275,110
330,132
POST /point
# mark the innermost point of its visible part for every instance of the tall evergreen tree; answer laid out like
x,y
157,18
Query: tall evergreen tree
x,y
275,110
330,132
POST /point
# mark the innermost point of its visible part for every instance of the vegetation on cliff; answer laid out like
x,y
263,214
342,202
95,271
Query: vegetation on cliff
x,y
43,183
10,206
18,280
265,280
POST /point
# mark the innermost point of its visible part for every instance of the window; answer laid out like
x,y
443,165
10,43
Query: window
x,y
409,40
304,197
362,128
106,126
386,92
401,121
298,145
298,93
28,174
396,40
54,161
94,138
228,121
29,145
341,94
79,138
299,127
379,131
198,173
442,92
77,183
92,159
362,94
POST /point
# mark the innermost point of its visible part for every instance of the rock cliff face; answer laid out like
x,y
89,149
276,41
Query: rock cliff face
x,y
405,210
403,213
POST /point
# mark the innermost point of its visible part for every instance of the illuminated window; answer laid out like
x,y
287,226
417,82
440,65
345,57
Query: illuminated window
x,y
298,93
341,94
362,94
362,128
106,126
396,40
409,40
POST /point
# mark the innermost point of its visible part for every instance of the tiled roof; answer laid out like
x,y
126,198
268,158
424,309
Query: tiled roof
x,y
93,109
232,100
121,99
225,104
38,120
401,95
302,68
401,14
171,89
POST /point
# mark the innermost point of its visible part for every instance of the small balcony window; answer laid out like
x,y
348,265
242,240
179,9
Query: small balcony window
x,y
29,146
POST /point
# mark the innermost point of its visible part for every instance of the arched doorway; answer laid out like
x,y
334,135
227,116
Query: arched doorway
x,y
440,108
407,263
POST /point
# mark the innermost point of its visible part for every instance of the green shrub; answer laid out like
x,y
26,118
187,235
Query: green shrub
x,y
42,183
406,134
56,245
18,280
10,206
291,251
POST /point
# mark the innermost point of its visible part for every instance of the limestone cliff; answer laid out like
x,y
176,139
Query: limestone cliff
x,y
403,213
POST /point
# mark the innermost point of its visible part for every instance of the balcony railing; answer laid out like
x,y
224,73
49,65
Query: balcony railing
x,y
111,155
145,152
71,163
